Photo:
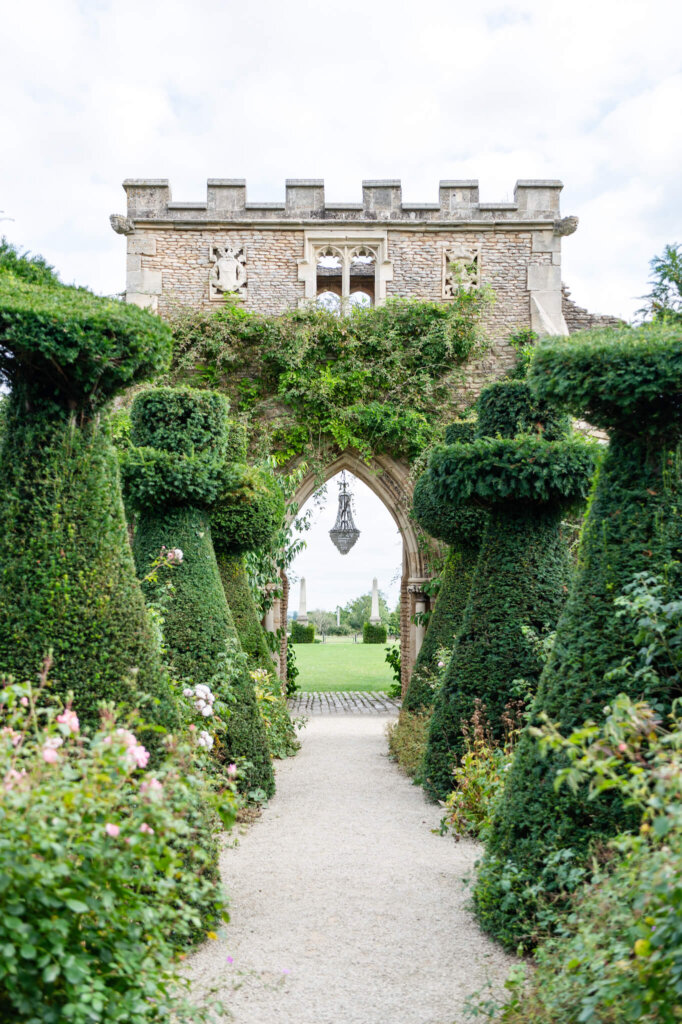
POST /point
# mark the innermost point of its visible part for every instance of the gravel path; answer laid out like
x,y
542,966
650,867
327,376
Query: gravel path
x,y
346,908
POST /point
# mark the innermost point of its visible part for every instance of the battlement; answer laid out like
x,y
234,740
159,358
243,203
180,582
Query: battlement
x,y
536,202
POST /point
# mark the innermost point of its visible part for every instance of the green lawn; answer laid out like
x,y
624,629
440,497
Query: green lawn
x,y
342,666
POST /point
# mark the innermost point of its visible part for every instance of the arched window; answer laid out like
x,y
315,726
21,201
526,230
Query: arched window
x,y
347,272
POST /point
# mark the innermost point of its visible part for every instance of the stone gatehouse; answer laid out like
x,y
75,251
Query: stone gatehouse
x,y
278,255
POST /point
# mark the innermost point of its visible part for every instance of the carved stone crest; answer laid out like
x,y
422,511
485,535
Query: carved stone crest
x,y
227,276
461,269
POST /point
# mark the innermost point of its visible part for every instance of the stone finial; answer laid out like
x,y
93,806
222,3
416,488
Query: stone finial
x,y
121,225
302,608
375,617
565,226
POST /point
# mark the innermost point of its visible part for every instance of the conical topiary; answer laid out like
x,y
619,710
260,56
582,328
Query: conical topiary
x,y
67,579
247,516
522,574
630,382
461,527
173,477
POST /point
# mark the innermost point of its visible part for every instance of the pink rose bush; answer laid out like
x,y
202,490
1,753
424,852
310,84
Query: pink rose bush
x,y
109,869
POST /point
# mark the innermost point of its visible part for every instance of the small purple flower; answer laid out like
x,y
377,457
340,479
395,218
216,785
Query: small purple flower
x,y
230,960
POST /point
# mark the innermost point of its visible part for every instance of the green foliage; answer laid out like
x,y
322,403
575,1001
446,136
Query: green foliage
x,y
200,633
520,581
508,407
243,609
372,634
357,612
460,431
179,437
444,624
407,740
478,778
446,520
302,634
184,421
633,525
377,380
67,349
617,377
523,342
394,659
249,511
664,301
67,579
521,578
107,870
273,710
33,269
159,479
617,956
523,469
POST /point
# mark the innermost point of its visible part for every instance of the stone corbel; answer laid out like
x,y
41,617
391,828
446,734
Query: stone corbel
x,y
121,225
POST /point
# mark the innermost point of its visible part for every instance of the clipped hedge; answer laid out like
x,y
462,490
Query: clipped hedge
x,y
71,349
616,378
302,634
248,511
243,608
444,624
631,381
523,570
508,407
372,634
198,625
67,579
462,527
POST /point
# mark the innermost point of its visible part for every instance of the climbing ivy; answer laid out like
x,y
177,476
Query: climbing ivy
x,y
377,380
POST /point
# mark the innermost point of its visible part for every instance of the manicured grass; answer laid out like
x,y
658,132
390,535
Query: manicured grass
x,y
342,666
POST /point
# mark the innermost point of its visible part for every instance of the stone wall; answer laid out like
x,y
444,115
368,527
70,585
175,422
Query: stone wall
x,y
578,319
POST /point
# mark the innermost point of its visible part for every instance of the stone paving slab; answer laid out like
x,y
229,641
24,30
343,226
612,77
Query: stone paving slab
x,y
344,702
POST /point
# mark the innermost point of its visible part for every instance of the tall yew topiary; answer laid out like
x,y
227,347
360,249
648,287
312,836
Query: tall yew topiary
x,y
173,476
521,579
249,511
461,527
629,382
67,579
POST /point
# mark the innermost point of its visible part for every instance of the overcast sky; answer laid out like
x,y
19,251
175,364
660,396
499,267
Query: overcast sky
x,y
588,91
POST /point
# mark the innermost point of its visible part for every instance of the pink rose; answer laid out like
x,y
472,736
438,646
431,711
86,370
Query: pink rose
x,y
112,830
144,827
69,718
232,771
137,756
151,787
50,755
24,702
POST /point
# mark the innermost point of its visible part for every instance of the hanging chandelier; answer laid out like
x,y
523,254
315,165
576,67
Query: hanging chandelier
x,y
345,532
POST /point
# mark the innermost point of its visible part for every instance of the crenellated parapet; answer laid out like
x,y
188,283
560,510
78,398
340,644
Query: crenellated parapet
x,y
150,200
274,256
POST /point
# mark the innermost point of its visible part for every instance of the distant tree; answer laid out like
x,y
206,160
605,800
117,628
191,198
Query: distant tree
x,y
357,612
664,301
394,621
322,620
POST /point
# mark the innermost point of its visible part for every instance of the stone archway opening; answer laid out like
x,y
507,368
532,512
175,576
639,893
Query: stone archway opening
x,y
390,481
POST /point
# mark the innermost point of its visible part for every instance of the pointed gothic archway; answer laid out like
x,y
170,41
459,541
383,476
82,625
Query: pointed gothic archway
x,y
390,481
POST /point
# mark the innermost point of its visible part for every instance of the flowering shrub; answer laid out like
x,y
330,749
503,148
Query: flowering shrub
x,y
107,869
280,729
617,958
479,777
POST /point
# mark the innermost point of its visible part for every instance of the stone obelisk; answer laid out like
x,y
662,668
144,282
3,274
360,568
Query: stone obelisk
x,y
375,618
302,610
